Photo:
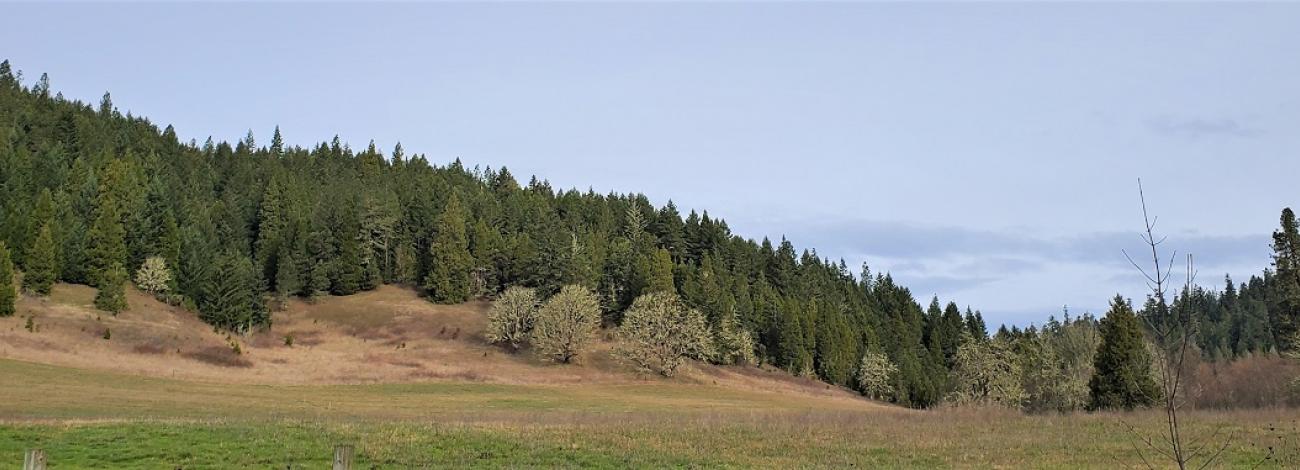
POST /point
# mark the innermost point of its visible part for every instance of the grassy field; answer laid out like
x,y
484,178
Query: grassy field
x,y
413,385
96,419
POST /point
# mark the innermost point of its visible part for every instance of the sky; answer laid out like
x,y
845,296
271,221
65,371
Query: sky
x,y
984,153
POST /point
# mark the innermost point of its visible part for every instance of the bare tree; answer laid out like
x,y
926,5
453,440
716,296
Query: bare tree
x,y
1173,331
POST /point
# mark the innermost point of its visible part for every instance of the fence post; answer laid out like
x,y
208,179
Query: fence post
x,y
342,457
34,459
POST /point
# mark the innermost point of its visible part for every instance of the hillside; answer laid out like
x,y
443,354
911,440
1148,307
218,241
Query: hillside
x,y
88,194
389,335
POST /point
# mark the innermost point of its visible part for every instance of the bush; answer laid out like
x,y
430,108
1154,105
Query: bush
x,y
511,319
1254,381
987,373
153,276
876,375
659,333
566,323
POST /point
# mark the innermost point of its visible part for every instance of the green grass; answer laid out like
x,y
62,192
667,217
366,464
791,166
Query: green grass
x,y
86,419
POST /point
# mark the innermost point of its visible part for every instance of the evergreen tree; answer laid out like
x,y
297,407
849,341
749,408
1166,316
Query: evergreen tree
x,y
660,277
488,251
1285,311
347,269
288,281
277,143
8,294
1122,377
449,275
232,298
111,296
42,263
106,241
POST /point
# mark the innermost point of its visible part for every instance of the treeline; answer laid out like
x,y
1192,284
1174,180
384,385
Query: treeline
x,y
90,195
1249,332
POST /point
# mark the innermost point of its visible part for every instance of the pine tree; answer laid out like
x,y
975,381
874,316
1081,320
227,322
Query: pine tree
x,y
277,143
42,263
487,248
347,273
105,240
111,296
8,294
660,277
1122,377
271,229
232,298
449,275
106,105
288,281
1286,259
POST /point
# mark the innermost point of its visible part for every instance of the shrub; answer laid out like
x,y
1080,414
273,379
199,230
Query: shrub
x,y
876,375
566,323
153,276
659,333
987,373
1252,381
511,319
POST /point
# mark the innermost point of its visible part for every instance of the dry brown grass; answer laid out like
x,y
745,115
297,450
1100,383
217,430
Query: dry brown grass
x,y
1252,382
389,335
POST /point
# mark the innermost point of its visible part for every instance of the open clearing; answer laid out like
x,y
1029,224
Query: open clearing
x,y
413,385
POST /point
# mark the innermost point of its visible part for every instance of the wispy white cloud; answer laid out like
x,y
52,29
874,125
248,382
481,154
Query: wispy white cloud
x,y
1198,127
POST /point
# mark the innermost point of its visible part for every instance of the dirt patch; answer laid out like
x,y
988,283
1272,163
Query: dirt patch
x,y
459,375
218,356
149,348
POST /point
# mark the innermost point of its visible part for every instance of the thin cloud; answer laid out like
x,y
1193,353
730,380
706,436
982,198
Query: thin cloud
x,y
1196,127
1007,251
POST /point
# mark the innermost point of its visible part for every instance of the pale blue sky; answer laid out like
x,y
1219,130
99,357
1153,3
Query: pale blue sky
x,y
986,153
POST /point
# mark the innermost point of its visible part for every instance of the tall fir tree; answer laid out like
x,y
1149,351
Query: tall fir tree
x,y
232,296
1285,311
450,261
111,296
106,241
660,277
1122,377
8,293
42,263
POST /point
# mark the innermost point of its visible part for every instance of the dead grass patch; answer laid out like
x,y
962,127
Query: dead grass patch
x,y
218,356
149,348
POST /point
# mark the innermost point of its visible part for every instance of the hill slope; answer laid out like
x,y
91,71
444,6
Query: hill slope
x,y
388,335
234,222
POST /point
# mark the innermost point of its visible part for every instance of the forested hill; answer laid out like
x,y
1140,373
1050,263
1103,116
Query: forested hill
x,y
89,194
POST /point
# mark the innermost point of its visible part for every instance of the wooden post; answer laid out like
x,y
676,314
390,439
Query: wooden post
x,y
34,459
342,457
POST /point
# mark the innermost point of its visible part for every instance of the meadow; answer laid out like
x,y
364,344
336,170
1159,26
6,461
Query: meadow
x,y
92,419
412,385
